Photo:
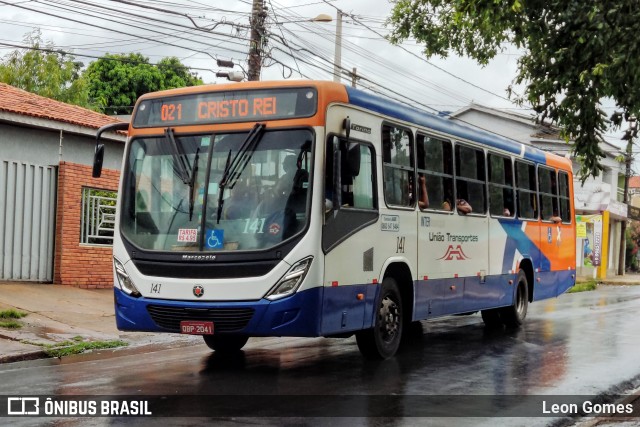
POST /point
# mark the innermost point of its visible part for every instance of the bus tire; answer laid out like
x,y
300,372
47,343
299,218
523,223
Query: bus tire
x,y
513,316
491,318
382,341
225,343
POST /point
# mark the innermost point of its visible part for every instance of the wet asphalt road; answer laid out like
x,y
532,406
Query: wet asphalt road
x,y
578,344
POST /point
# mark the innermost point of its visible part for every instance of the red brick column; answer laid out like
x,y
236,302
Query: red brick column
x,y
84,266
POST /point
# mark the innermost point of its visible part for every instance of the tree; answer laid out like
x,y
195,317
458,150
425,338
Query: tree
x,y
117,80
576,54
632,240
43,70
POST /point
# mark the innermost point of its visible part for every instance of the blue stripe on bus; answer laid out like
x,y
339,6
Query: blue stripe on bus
x,y
432,121
518,240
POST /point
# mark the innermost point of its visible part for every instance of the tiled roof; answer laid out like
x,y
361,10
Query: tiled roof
x,y
634,182
18,101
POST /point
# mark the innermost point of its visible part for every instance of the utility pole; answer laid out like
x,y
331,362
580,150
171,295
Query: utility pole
x,y
258,15
625,196
337,59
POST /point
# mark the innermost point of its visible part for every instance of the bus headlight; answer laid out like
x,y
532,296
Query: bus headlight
x,y
291,281
124,280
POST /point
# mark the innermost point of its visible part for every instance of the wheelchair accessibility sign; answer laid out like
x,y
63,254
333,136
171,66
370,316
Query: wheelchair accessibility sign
x,y
214,239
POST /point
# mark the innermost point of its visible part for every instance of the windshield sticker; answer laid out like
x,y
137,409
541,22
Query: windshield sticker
x,y
390,223
214,239
188,235
274,229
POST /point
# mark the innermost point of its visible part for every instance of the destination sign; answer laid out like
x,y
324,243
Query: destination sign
x,y
226,107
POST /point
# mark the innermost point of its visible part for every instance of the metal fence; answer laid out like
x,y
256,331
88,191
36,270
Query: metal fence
x,y
27,221
98,216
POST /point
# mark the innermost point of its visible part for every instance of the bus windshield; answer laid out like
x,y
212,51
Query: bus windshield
x,y
183,193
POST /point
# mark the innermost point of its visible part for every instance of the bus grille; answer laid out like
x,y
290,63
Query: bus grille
x,y
224,319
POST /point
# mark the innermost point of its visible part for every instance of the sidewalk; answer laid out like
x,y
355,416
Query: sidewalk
x,y
628,279
61,313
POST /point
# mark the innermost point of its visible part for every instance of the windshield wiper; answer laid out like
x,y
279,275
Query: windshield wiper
x,y
182,167
192,182
233,169
180,162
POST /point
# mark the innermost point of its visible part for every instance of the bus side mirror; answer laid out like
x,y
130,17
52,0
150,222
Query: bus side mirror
x,y
98,158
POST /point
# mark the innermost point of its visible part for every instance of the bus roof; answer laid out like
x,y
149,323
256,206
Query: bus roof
x,y
429,120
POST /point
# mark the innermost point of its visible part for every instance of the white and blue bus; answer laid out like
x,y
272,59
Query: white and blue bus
x,y
310,209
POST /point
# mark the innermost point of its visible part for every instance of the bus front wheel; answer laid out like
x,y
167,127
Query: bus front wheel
x,y
513,316
225,343
382,341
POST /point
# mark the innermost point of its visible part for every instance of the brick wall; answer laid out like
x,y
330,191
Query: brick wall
x,y
84,266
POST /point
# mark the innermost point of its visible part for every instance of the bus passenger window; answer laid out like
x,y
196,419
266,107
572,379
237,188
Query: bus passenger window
x,y
397,155
526,190
470,180
548,189
501,200
435,165
565,199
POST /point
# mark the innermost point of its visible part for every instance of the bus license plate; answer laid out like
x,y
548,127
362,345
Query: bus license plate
x,y
194,327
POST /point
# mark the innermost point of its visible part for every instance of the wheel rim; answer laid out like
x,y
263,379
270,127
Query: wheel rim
x,y
389,319
520,303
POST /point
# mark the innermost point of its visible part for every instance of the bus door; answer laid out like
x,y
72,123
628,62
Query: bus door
x,y
348,236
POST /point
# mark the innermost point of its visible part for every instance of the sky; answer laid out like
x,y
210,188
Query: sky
x,y
199,32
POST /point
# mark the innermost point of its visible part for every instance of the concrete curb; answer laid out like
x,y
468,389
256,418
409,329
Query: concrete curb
x,y
21,357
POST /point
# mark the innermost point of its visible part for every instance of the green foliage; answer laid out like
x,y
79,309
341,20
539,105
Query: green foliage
x,y
577,53
632,237
76,345
116,81
10,324
12,313
8,318
588,285
44,71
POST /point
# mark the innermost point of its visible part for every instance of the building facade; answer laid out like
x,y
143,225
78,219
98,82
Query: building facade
x,y
54,217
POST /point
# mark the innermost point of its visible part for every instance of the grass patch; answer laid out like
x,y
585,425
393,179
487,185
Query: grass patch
x,y
77,346
9,318
12,313
583,286
10,324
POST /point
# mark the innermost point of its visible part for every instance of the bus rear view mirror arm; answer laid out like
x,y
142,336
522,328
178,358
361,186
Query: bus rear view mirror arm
x,y
98,156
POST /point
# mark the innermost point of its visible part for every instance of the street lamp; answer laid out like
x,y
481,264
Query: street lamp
x,y
629,135
337,59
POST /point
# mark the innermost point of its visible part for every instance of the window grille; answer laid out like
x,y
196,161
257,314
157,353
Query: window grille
x,y
98,216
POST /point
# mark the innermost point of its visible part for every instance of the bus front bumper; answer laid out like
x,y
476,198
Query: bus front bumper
x,y
296,315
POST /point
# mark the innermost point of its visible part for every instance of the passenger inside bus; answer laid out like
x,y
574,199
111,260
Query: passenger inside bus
x,y
555,217
423,197
462,206
285,182
241,201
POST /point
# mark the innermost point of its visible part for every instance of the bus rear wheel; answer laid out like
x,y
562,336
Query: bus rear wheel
x,y
513,316
382,341
225,343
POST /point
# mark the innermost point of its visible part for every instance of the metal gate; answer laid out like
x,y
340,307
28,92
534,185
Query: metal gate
x,y
27,221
